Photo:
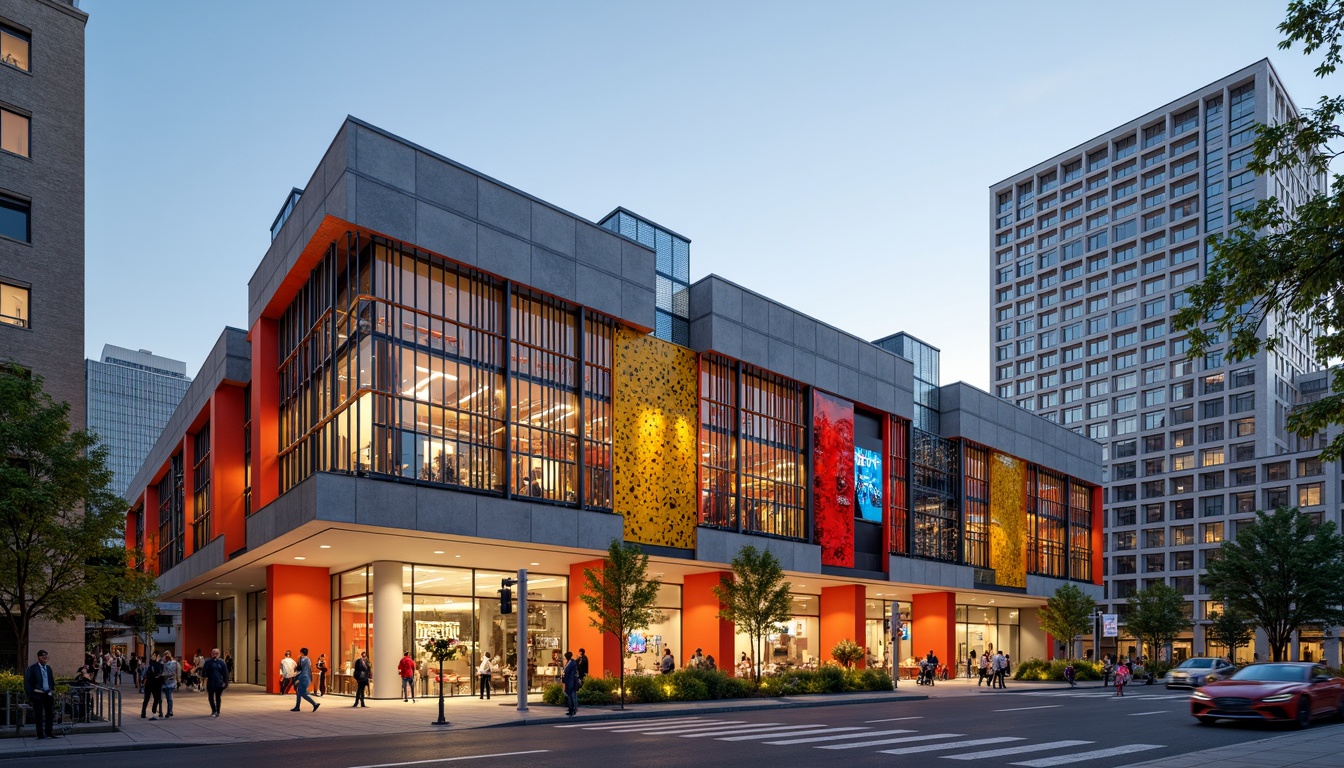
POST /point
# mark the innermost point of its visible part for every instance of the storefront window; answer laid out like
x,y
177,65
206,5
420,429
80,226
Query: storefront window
x,y
985,629
798,642
646,646
354,627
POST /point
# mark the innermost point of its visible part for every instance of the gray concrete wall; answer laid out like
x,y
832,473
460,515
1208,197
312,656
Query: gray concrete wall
x,y
229,360
744,325
374,179
715,546
366,501
976,415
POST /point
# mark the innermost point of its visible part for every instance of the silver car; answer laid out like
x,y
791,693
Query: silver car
x,y
1192,673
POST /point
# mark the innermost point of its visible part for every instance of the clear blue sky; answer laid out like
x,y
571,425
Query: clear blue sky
x,y
835,156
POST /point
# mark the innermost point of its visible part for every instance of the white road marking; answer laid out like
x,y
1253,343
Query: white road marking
x,y
1157,712
894,719
687,727
841,736
732,729
452,759
796,733
646,724
1046,762
1018,750
623,723
1023,709
767,729
882,742
949,745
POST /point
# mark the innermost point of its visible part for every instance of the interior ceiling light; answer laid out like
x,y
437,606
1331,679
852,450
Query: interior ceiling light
x,y
438,551
534,563
324,546
300,558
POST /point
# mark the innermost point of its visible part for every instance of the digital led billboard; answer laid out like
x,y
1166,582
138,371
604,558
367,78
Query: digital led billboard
x,y
868,484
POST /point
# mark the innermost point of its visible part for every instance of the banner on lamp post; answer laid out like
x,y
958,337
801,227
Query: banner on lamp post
x,y
1110,625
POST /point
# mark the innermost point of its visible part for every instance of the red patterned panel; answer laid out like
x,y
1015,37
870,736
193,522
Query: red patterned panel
x,y
833,479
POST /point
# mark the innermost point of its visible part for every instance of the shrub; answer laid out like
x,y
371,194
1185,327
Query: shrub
x,y
688,688
827,680
644,690
868,680
847,652
1040,669
598,691
554,695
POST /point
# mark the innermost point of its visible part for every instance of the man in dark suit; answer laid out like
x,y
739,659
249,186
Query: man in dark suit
x,y
571,681
363,674
39,682
582,661
216,675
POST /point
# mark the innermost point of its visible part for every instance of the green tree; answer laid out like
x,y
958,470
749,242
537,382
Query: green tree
x,y
1156,616
1279,263
1283,571
1232,628
847,652
620,596
756,599
58,518
1067,614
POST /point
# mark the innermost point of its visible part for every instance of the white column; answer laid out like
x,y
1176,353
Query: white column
x,y
387,630
1295,647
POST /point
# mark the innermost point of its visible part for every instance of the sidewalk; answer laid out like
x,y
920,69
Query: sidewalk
x,y
251,715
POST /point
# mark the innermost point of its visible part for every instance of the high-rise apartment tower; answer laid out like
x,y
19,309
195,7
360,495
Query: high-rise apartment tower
x,y
132,394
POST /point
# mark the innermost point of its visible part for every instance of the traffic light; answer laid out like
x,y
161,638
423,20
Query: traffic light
x,y
506,596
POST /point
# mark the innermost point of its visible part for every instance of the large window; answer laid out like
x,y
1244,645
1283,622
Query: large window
x,y
14,132
899,445
172,515
1080,531
935,524
14,47
752,450
399,364
14,305
200,482
976,468
1047,523
15,219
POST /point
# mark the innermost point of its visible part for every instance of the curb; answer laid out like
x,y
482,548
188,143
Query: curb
x,y
61,751
712,709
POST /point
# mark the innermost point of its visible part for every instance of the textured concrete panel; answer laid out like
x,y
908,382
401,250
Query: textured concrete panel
x,y
553,273
848,382
444,511
507,519
385,210
445,233
597,289
504,208
556,526
828,375
385,503
637,304
596,247
781,322
804,367
445,184
805,332
755,347
598,529
502,255
781,357
637,264
716,546
701,299
727,299
385,159
727,337
702,334
552,229
334,496
948,575
339,157
755,312
1045,586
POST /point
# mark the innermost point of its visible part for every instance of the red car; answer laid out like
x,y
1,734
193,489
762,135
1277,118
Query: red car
x,y
1274,691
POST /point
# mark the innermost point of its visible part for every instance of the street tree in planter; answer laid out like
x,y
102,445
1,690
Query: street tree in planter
x,y
756,599
1284,572
1232,628
442,649
621,597
1067,614
1156,617
847,652
57,513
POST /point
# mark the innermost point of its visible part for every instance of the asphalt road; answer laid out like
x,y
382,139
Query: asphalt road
x,y
1037,730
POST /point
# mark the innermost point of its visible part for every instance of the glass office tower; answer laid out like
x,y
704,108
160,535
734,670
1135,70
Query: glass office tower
x,y
673,268
131,395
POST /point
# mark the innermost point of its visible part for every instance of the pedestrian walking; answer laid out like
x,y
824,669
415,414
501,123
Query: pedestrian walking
x,y
39,683
483,672
321,674
302,680
1107,670
1121,677
406,668
363,674
172,675
582,661
998,671
985,660
215,673
288,669
570,678
153,682
1069,676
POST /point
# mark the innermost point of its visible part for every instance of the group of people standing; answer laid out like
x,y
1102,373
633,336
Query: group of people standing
x,y
162,675
995,669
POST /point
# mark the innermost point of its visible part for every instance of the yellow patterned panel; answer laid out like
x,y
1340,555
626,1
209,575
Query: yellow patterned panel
x,y
656,408
1008,520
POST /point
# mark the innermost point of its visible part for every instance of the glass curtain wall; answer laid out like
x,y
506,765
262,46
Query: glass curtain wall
x,y
935,515
646,646
753,457
976,506
898,443
1080,531
1047,523
399,364
350,614
986,629
200,476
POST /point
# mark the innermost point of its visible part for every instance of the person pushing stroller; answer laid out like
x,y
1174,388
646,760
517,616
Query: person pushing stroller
x,y
928,666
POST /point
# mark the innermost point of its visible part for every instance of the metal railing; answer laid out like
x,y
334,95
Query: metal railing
x,y
81,708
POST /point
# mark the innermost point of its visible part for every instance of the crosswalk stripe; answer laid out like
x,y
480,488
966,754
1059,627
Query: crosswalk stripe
x,y
1018,750
695,733
949,745
1023,709
625,723
684,727
1154,712
1096,754
841,736
882,742
797,733
765,730
894,719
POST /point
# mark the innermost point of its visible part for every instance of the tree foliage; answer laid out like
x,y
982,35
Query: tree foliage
x,y
57,514
1284,571
1232,628
1278,263
1067,614
621,597
757,599
1156,617
847,652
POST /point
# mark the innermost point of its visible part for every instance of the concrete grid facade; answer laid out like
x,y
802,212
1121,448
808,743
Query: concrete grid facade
x,y
1091,254
42,239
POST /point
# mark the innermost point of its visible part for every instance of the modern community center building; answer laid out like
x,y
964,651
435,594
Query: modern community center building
x,y
445,379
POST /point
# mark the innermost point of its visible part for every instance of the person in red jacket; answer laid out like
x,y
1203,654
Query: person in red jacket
x,y
406,668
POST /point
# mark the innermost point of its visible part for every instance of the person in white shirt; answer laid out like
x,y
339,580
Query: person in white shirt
x,y
289,669
483,674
